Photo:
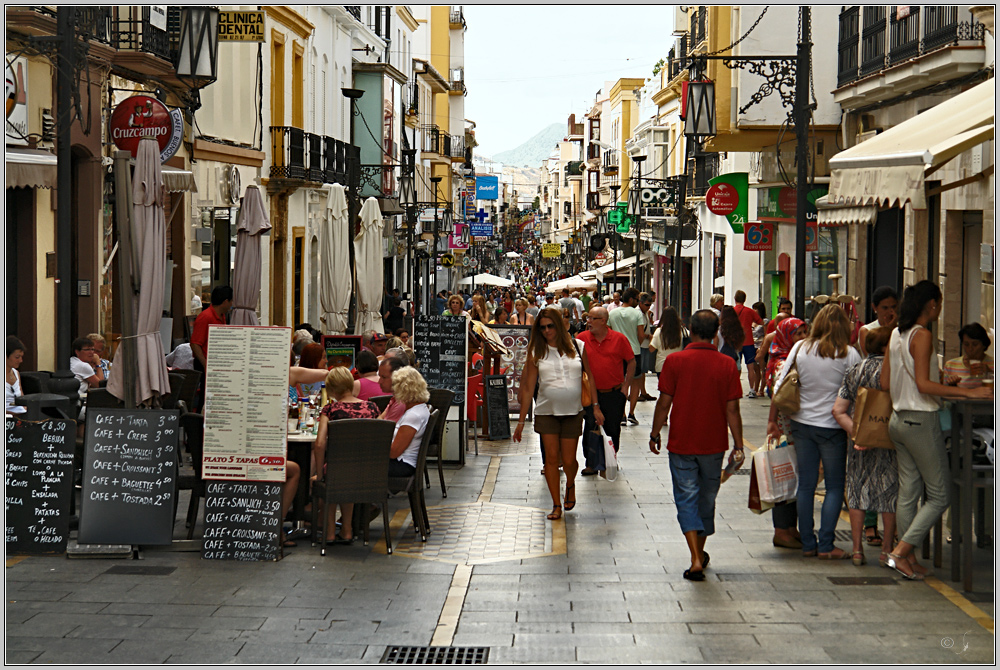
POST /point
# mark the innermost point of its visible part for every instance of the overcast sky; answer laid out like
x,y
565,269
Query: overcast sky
x,y
527,67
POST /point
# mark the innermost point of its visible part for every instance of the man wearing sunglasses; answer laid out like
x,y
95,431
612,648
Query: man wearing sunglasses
x,y
611,362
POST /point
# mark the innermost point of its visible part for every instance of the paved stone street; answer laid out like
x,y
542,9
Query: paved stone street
x,y
604,586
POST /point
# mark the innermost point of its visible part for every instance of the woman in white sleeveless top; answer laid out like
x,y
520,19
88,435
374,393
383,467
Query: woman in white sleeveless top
x,y
910,374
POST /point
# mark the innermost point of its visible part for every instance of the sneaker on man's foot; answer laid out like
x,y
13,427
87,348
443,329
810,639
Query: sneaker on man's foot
x,y
632,420
751,394
624,421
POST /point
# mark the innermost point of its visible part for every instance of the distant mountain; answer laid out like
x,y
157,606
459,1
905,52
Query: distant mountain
x,y
535,150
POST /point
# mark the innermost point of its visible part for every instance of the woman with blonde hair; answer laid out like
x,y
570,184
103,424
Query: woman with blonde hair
x,y
520,317
410,389
557,362
455,306
344,404
822,360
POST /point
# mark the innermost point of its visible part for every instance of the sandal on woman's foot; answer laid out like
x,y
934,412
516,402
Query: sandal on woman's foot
x,y
556,513
809,554
337,539
694,575
858,558
568,504
895,561
835,554
873,538
882,558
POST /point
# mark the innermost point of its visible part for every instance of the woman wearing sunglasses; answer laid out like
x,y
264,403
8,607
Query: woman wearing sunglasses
x,y
556,361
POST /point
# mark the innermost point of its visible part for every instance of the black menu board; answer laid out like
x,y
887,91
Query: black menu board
x,y
129,476
441,347
38,468
515,338
495,402
242,521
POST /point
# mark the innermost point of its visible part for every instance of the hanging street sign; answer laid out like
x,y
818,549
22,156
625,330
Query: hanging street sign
x,y
729,196
447,261
466,260
758,236
140,116
551,250
241,26
483,230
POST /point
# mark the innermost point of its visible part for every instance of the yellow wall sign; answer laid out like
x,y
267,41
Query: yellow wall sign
x,y
241,26
551,250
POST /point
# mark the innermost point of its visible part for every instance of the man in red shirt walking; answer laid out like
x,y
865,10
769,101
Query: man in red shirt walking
x,y
700,390
222,302
611,362
748,318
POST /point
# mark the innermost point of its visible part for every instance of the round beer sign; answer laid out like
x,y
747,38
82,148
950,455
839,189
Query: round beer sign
x,y
722,199
138,117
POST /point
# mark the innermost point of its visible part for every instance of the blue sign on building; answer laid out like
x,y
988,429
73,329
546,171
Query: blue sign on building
x,y
479,229
487,188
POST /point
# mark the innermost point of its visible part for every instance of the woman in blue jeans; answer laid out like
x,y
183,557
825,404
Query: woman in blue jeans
x,y
821,359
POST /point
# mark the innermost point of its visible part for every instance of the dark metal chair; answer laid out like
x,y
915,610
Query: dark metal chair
x,y
35,382
441,400
381,401
189,388
413,485
357,470
193,427
102,398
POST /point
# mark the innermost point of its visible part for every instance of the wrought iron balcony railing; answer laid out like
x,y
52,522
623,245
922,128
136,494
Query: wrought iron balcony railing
x,y
431,139
288,152
335,157
874,38
697,30
133,31
593,151
457,147
379,181
314,157
354,10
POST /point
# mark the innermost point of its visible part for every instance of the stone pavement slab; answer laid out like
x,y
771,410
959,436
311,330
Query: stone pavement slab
x,y
611,590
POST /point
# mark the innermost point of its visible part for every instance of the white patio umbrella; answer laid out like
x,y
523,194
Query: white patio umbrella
x,y
252,223
368,268
512,254
149,243
335,268
485,279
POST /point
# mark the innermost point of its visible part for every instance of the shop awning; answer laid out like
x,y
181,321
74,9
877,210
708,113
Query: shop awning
x,y
833,215
175,180
888,170
623,264
30,168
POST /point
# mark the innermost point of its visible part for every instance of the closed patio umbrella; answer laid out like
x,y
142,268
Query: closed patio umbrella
x,y
368,268
149,244
335,268
252,223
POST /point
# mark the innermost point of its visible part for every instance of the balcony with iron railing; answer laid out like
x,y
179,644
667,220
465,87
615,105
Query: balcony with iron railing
x,y
354,10
431,139
697,32
456,17
457,152
873,39
701,168
298,155
609,164
593,152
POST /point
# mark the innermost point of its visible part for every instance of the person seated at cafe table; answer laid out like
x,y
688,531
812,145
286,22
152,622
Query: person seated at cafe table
x,y
367,383
974,366
374,341
410,390
344,404
395,360
313,358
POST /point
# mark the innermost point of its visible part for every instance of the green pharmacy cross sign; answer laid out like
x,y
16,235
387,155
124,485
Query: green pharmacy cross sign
x,y
618,218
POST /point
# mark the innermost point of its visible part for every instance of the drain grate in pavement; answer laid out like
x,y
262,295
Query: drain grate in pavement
x,y
150,570
399,655
862,581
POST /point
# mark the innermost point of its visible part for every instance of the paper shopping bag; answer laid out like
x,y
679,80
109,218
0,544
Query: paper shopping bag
x,y
872,411
754,503
776,472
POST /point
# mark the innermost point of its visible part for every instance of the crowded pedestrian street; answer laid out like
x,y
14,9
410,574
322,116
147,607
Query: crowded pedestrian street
x,y
602,585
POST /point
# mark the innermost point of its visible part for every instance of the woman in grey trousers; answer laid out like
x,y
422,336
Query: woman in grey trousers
x,y
910,374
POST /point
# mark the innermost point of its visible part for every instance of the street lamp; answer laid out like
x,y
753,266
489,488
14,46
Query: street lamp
x,y
408,201
353,180
614,233
434,251
777,72
635,210
197,53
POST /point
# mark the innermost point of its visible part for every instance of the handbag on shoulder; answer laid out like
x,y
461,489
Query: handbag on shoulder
x,y
786,396
872,411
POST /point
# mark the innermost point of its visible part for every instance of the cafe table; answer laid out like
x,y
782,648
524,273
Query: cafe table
x,y
963,480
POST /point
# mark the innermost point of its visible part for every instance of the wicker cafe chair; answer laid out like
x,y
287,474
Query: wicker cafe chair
x,y
441,400
357,470
381,401
413,484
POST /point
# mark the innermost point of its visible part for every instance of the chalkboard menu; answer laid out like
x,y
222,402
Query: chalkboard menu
x,y
495,403
515,338
242,521
441,347
38,468
129,476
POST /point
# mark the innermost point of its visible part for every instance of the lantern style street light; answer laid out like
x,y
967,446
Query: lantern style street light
x,y
197,54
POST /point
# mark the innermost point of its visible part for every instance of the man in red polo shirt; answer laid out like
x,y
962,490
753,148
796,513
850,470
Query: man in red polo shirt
x,y
700,389
607,352
222,302
748,318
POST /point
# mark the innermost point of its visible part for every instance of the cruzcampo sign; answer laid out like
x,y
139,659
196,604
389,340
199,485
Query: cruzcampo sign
x,y
729,196
143,116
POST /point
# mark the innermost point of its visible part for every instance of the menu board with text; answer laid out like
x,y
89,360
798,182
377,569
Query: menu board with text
x,y
246,397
